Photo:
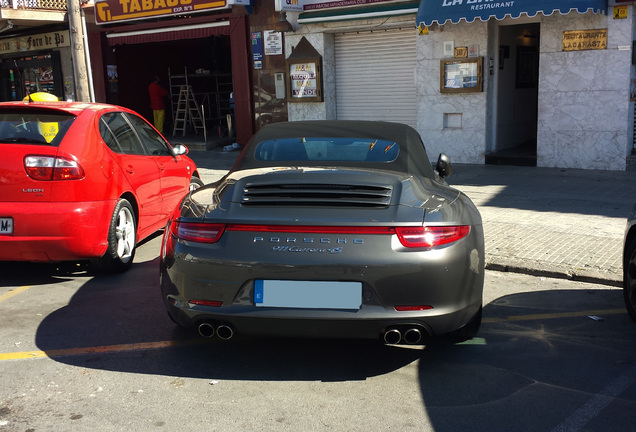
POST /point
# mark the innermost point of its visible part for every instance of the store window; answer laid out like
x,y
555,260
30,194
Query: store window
x,y
32,74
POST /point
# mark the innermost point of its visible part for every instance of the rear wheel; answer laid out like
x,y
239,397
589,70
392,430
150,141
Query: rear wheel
x,y
629,280
122,240
195,183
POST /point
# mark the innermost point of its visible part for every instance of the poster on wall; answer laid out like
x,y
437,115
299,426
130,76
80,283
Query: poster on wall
x,y
273,43
113,78
303,80
257,50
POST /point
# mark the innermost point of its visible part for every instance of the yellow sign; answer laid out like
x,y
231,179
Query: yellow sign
x,y
422,30
620,12
109,11
580,40
461,52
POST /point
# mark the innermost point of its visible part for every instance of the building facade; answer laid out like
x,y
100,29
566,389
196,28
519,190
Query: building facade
x,y
525,82
197,49
35,49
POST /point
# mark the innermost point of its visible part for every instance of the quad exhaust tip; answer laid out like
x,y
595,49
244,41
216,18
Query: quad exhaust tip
x,y
223,331
411,336
206,330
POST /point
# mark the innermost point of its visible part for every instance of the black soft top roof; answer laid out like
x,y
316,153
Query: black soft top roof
x,y
412,158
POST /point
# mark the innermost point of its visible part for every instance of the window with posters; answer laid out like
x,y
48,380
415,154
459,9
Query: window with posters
x,y
304,83
31,74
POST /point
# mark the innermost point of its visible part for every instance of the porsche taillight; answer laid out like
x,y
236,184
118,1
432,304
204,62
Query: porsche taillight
x,y
431,236
197,231
52,168
410,237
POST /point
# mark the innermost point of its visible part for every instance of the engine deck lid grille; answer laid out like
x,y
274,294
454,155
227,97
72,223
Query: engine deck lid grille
x,y
310,194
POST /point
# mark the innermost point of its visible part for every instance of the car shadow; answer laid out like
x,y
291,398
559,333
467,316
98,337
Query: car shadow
x,y
25,273
538,358
121,317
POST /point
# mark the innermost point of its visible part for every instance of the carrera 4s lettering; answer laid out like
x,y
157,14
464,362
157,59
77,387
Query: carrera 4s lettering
x,y
334,250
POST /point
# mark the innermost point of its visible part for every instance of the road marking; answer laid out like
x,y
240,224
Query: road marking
x,y
598,403
554,315
97,349
13,292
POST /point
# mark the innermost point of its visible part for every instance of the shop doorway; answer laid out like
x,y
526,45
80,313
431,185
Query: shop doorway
x,y
203,64
517,96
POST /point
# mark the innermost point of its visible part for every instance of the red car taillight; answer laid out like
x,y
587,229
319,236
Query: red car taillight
x,y
430,236
52,168
197,232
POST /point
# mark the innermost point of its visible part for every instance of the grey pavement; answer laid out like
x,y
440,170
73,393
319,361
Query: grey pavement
x,y
551,222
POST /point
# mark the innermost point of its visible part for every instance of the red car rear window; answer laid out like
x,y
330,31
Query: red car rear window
x,y
40,127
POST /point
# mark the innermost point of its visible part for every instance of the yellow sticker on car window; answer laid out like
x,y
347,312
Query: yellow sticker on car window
x,y
49,130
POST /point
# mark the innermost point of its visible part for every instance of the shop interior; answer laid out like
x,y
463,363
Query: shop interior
x,y
203,65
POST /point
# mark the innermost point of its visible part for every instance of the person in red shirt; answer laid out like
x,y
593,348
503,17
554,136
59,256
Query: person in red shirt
x,y
157,96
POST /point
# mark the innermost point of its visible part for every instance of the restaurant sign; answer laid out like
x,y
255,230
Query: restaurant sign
x,y
580,40
112,11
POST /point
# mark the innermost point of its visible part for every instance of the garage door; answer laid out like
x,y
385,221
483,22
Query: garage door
x,y
375,73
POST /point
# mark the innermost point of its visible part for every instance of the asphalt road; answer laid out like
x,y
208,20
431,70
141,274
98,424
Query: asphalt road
x,y
80,352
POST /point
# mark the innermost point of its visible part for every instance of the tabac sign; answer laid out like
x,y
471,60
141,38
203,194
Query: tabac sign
x,y
112,11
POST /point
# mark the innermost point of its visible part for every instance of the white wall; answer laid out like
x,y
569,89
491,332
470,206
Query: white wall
x,y
465,144
584,95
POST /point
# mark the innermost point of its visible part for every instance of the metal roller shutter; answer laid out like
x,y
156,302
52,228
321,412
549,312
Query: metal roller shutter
x,y
375,74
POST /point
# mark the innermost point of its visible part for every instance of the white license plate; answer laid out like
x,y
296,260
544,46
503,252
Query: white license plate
x,y
308,294
6,225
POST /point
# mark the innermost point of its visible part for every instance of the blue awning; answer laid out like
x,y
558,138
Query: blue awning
x,y
441,11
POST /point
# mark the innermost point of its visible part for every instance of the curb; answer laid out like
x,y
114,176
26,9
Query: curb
x,y
599,279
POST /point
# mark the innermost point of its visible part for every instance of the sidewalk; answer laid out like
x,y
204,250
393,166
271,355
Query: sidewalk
x,y
552,222
549,221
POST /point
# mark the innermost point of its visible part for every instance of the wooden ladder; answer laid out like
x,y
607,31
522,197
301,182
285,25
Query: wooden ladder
x,y
187,110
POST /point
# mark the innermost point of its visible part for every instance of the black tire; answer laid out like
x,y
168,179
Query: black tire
x,y
122,240
629,279
195,183
467,332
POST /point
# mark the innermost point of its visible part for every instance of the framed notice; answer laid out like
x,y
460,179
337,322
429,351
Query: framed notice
x,y
305,82
304,75
461,75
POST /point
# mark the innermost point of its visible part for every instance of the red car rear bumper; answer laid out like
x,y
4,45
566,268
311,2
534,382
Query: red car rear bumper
x,y
56,232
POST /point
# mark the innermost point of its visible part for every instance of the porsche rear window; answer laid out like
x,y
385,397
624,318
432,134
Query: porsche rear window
x,y
33,126
327,150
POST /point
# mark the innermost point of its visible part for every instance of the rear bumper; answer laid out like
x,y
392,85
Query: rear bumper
x,y
56,231
366,323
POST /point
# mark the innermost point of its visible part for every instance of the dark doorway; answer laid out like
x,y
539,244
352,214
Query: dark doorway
x,y
517,96
205,64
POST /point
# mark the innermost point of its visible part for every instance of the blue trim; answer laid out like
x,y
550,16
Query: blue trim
x,y
441,11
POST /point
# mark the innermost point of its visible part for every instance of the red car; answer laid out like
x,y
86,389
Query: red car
x,y
84,181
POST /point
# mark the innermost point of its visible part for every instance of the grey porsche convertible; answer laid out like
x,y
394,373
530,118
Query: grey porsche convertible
x,y
332,229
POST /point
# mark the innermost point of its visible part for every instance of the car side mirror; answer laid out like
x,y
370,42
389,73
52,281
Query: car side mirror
x,y
444,166
179,149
